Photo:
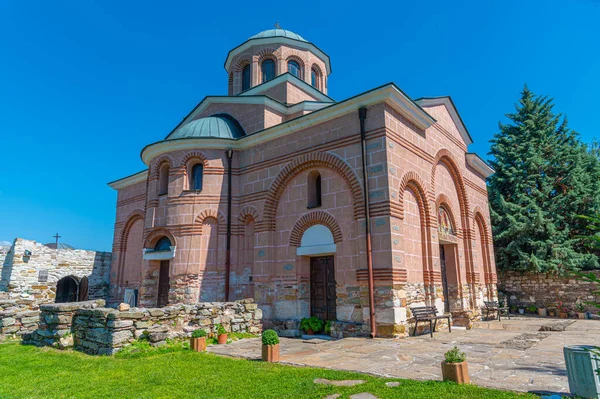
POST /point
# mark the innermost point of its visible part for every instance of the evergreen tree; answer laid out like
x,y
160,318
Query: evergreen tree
x,y
545,177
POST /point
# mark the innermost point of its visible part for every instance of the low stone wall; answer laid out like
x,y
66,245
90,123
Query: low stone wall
x,y
16,318
104,331
55,326
525,289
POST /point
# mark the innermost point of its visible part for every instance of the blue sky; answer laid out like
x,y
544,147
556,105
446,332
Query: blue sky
x,y
84,85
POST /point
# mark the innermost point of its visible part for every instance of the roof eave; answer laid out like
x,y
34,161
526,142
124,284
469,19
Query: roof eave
x,y
129,180
479,165
452,110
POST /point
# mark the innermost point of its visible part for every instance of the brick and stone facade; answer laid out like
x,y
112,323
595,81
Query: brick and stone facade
x,y
31,272
427,194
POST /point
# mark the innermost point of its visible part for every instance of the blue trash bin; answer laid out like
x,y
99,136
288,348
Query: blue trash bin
x,y
582,368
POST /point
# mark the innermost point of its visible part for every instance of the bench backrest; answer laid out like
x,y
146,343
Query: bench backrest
x,y
423,312
491,304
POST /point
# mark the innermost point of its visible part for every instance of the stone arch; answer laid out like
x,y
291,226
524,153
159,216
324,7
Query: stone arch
x,y
300,164
133,216
67,289
156,234
193,156
211,213
413,181
248,213
311,219
159,163
245,60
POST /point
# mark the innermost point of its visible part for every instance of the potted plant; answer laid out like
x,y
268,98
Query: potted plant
x,y
198,340
221,334
532,309
513,308
270,346
542,311
454,368
311,325
563,311
521,310
580,307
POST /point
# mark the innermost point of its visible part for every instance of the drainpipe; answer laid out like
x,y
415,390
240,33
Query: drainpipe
x,y
362,115
229,154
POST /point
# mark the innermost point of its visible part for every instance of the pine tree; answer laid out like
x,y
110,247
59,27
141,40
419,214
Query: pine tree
x,y
545,177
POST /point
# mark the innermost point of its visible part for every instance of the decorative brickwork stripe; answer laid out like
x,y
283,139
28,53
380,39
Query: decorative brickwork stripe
x,y
398,276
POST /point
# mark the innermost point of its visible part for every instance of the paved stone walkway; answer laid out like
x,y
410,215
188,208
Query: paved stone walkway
x,y
511,355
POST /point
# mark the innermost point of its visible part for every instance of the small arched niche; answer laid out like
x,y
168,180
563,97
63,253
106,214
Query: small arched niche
x,y
317,240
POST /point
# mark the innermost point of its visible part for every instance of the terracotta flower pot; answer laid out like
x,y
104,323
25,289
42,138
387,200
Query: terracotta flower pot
x,y
543,312
270,353
222,339
457,372
563,315
198,344
310,332
581,315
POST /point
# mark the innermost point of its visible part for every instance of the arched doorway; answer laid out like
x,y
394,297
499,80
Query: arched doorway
x,y
318,243
164,281
67,290
448,253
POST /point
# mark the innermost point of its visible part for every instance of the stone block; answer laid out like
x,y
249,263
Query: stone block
x,y
119,323
7,322
121,337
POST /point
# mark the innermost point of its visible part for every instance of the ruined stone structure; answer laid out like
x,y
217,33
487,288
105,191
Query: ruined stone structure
x,y
540,289
33,273
91,328
261,193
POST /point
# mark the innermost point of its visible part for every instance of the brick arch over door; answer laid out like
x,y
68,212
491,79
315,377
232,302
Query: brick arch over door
x,y
311,219
152,237
302,163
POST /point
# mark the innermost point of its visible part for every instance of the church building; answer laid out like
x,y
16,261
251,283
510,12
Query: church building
x,y
352,211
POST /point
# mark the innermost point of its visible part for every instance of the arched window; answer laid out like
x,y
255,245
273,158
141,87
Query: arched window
x,y
294,69
268,70
313,78
314,189
164,244
196,181
163,180
246,78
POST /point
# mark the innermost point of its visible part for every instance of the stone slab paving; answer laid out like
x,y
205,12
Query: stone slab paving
x,y
507,355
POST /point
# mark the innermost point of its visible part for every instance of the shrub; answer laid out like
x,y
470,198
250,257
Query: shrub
x,y
199,333
270,337
580,307
312,323
532,309
328,327
220,329
454,355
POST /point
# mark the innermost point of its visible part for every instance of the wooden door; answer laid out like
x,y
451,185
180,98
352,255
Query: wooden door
x,y
163,284
322,288
83,289
444,279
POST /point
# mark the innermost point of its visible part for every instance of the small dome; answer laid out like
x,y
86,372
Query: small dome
x,y
61,245
221,126
279,33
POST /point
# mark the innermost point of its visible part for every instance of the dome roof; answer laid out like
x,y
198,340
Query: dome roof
x,y
279,33
221,126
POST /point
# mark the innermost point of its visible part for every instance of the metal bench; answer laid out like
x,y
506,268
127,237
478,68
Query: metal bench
x,y
493,306
429,313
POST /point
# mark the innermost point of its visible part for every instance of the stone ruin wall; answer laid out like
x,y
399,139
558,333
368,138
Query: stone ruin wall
x,y
526,289
20,275
16,317
93,329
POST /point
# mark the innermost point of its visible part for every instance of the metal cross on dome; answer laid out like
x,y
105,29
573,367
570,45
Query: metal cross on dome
x,y
277,26
57,237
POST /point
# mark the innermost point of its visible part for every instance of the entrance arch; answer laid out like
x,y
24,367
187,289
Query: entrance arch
x,y
67,290
448,254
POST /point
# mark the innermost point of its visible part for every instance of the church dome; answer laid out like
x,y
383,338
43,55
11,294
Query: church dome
x,y
221,126
278,33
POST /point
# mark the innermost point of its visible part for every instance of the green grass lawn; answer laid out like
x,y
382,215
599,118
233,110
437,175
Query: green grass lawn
x,y
30,372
